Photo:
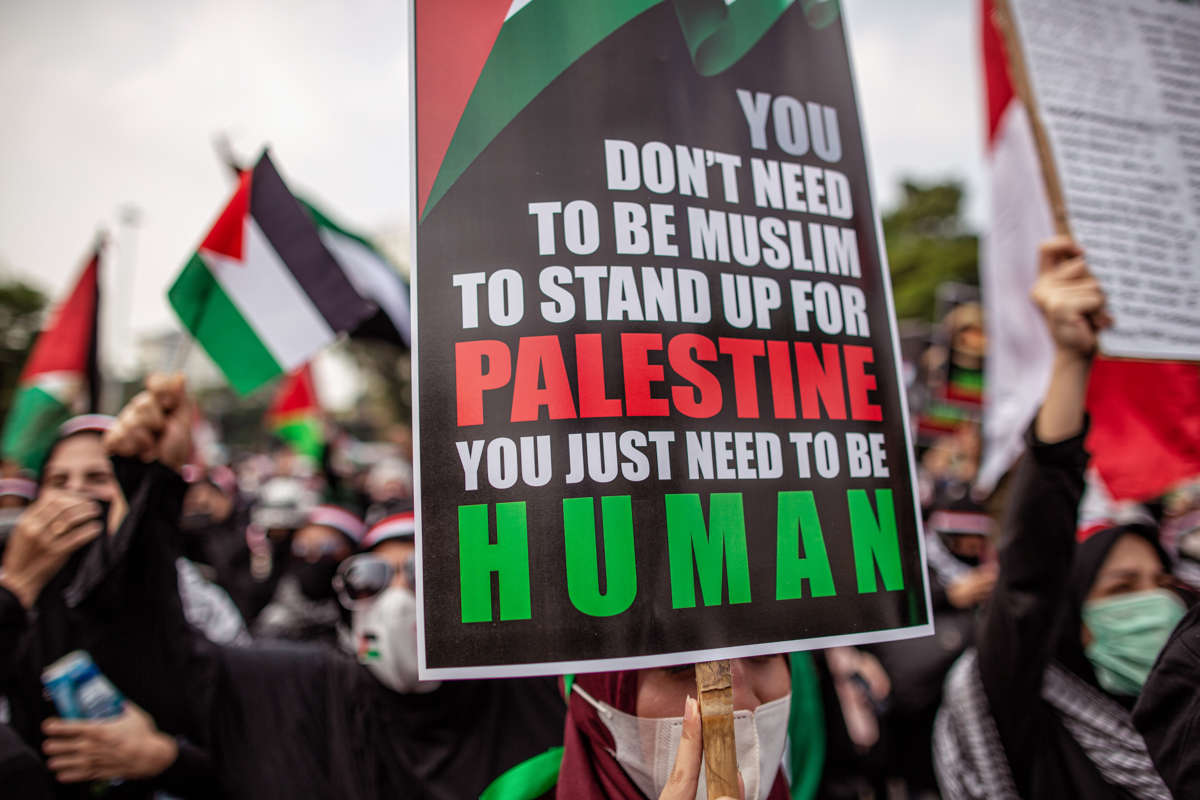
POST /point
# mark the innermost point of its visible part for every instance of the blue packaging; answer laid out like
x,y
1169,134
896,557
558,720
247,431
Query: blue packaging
x,y
79,690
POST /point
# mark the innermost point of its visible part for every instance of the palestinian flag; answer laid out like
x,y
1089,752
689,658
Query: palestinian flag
x,y
60,378
474,71
295,414
372,274
262,294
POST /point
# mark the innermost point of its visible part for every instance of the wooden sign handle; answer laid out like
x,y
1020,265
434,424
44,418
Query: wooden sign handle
x,y
1018,71
714,682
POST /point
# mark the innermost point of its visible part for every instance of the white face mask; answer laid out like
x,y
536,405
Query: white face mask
x,y
646,747
385,633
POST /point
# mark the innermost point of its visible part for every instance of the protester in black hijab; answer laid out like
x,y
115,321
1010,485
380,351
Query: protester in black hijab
x,y
287,720
66,584
366,727
15,495
1168,710
304,607
279,511
962,572
1040,708
213,526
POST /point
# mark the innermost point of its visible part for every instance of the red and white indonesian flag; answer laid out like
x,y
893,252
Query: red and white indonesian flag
x,y
1019,348
262,294
1145,431
1145,434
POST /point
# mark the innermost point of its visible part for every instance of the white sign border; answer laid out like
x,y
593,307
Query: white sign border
x,y
539,668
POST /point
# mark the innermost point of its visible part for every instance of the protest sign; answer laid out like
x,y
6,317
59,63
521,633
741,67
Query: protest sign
x,y
658,413
1116,84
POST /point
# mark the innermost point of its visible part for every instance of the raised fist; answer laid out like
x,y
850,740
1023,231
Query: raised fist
x,y
156,425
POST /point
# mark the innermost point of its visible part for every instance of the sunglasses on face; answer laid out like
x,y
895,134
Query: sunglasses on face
x,y
362,577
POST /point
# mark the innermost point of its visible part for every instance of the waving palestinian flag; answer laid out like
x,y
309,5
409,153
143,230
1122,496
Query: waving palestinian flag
x,y
372,274
262,294
60,378
295,414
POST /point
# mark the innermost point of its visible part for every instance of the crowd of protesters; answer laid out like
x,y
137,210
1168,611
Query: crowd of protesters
x,y
259,621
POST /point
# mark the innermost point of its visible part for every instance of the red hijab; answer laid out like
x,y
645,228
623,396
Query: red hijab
x,y
589,770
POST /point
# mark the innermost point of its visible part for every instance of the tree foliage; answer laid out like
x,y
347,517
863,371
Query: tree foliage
x,y
21,307
388,372
928,244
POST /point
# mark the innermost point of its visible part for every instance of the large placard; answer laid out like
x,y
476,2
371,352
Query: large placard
x,y
658,412
1117,84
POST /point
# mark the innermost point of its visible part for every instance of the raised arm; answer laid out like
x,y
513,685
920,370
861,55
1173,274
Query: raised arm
x,y
130,605
1073,305
1016,640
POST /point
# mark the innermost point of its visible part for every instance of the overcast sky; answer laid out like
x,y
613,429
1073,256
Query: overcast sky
x,y
116,104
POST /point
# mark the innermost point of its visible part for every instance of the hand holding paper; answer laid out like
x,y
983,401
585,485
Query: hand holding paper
x,y
1069,297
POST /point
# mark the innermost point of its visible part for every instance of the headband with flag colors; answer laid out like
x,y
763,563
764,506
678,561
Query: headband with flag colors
x,y
295,414
86,423
61,377
18,487
220,476
340,520
396,526
262,294
960,522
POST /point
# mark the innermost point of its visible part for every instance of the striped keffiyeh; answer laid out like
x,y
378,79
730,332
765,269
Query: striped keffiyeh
x,y
970,760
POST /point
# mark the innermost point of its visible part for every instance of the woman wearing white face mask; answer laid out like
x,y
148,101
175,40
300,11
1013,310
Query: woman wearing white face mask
x,y
364,727
626,738
377,586
1041,707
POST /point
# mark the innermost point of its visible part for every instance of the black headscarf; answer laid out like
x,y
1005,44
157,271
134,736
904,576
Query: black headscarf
x,y
1089,557
86,567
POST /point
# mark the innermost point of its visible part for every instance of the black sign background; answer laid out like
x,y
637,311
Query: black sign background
x,y
640,85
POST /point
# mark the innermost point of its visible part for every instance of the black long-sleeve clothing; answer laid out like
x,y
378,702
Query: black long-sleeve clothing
x,y
296,720
1021,626
283,720
128,616
1168,710
21,771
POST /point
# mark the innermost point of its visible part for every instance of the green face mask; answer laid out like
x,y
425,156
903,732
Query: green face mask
x,y
1128,631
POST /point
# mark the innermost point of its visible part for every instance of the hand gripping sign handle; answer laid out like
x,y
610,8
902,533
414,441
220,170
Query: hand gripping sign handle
x,y
714,682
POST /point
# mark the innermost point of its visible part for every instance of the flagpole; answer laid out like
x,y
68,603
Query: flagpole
x,y
123,267
178,357
1018,70
175,360
225,154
